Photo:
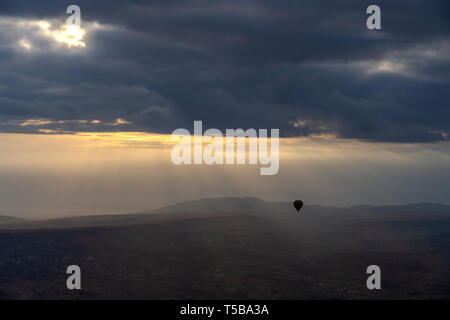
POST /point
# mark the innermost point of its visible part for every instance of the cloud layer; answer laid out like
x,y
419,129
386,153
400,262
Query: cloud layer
x,y
306,67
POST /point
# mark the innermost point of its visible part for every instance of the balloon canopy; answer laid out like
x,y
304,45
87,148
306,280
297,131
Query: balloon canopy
x,y
298,204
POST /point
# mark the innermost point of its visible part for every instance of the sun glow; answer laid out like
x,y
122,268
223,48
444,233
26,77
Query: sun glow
x,y
69,35
25,44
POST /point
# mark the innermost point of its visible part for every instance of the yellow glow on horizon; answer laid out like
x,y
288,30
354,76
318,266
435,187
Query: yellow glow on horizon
x,y
130,138
125,138
79,151
317,147
327,142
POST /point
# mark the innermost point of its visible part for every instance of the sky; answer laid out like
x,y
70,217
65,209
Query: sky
x,y
86,115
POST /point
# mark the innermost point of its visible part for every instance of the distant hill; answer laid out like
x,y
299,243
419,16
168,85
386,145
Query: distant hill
x,y
260,207
6,220
102,221
281,212
223,204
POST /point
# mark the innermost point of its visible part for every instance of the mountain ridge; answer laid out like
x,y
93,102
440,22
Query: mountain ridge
x,y
207,207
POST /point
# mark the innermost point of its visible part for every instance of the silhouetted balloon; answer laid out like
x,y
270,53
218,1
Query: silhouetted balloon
x,y
298,204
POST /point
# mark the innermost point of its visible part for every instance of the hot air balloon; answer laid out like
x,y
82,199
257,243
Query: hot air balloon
x,y
298,204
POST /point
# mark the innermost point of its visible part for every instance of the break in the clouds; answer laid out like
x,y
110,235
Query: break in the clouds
x,y
306,67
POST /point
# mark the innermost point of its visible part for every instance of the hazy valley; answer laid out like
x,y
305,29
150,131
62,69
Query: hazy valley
x,y
231,248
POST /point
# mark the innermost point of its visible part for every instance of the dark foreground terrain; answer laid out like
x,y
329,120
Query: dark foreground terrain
x,y
231,248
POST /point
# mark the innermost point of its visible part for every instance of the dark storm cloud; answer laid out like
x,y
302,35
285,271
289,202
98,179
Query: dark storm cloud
x,y
306,67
